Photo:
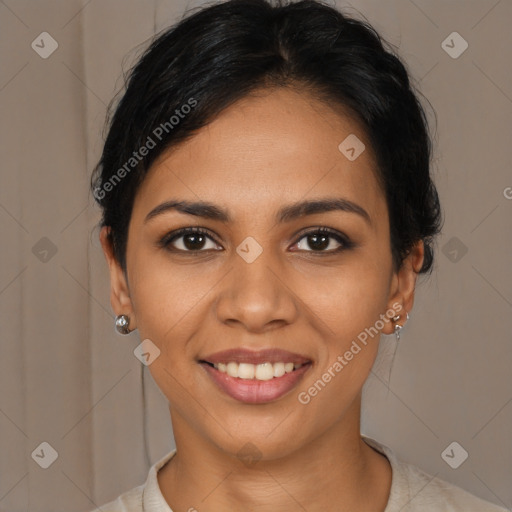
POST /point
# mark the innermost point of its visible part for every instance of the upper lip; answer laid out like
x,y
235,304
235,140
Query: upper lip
x,y
268,355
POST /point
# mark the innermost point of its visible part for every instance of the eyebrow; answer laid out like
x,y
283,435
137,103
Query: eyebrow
x,y
287,213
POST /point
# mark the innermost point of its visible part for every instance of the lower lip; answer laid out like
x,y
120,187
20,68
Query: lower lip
x,y
253,391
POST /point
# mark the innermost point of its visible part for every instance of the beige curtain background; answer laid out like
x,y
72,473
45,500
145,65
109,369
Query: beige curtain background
x,y
68,380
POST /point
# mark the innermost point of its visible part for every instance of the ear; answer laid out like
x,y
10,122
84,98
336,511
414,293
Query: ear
x,y
403,284
119,290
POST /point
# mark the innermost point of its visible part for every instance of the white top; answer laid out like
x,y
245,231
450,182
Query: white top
x,y
412,490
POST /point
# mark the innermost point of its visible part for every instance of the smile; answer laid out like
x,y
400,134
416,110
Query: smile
x,y
264,371
255,377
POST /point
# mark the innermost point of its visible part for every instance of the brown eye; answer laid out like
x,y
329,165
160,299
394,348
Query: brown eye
x,y
189,240
323,240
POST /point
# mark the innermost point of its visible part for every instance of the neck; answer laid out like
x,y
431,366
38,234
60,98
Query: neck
x,y
335,471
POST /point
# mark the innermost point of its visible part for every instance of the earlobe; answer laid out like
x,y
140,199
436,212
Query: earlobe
x,y
119,290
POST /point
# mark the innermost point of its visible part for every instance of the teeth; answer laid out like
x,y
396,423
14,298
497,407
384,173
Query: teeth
x,y
232,369
279,370
264,371
245,371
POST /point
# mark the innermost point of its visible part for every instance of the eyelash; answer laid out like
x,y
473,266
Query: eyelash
x,y
345,242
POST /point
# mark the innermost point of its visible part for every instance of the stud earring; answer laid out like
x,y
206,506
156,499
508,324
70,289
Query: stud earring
x,y
398,327
122,324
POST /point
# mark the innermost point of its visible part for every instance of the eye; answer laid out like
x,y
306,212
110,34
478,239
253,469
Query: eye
x,y
189,240
196,240
322,239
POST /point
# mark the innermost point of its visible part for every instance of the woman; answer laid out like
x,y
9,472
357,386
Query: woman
x,y
267,207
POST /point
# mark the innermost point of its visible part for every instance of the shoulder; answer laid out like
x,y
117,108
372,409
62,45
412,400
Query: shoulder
x,y
129,501
144,498
423,491
414,490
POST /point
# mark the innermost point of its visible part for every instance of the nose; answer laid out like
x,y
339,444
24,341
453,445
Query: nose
x,y
255,296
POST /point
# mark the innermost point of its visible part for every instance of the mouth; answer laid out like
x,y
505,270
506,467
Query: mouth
x,y
255,377
262,371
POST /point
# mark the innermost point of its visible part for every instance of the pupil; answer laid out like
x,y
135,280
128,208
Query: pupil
x,y
322,245
195,238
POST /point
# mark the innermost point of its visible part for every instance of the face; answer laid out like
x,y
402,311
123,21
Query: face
x,y
259,283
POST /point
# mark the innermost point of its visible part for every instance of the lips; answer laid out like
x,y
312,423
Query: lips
x,y
255,376
271,355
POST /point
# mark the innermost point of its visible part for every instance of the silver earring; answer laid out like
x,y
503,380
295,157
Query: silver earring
x,y
398,327
122,324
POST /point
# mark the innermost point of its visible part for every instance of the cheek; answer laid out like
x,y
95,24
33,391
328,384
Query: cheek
x,y
347,298
349,304
169,301
351,309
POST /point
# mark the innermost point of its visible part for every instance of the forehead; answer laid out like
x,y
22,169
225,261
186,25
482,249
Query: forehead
x,y
271,147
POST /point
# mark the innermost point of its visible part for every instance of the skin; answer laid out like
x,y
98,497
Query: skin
x,y
268,150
